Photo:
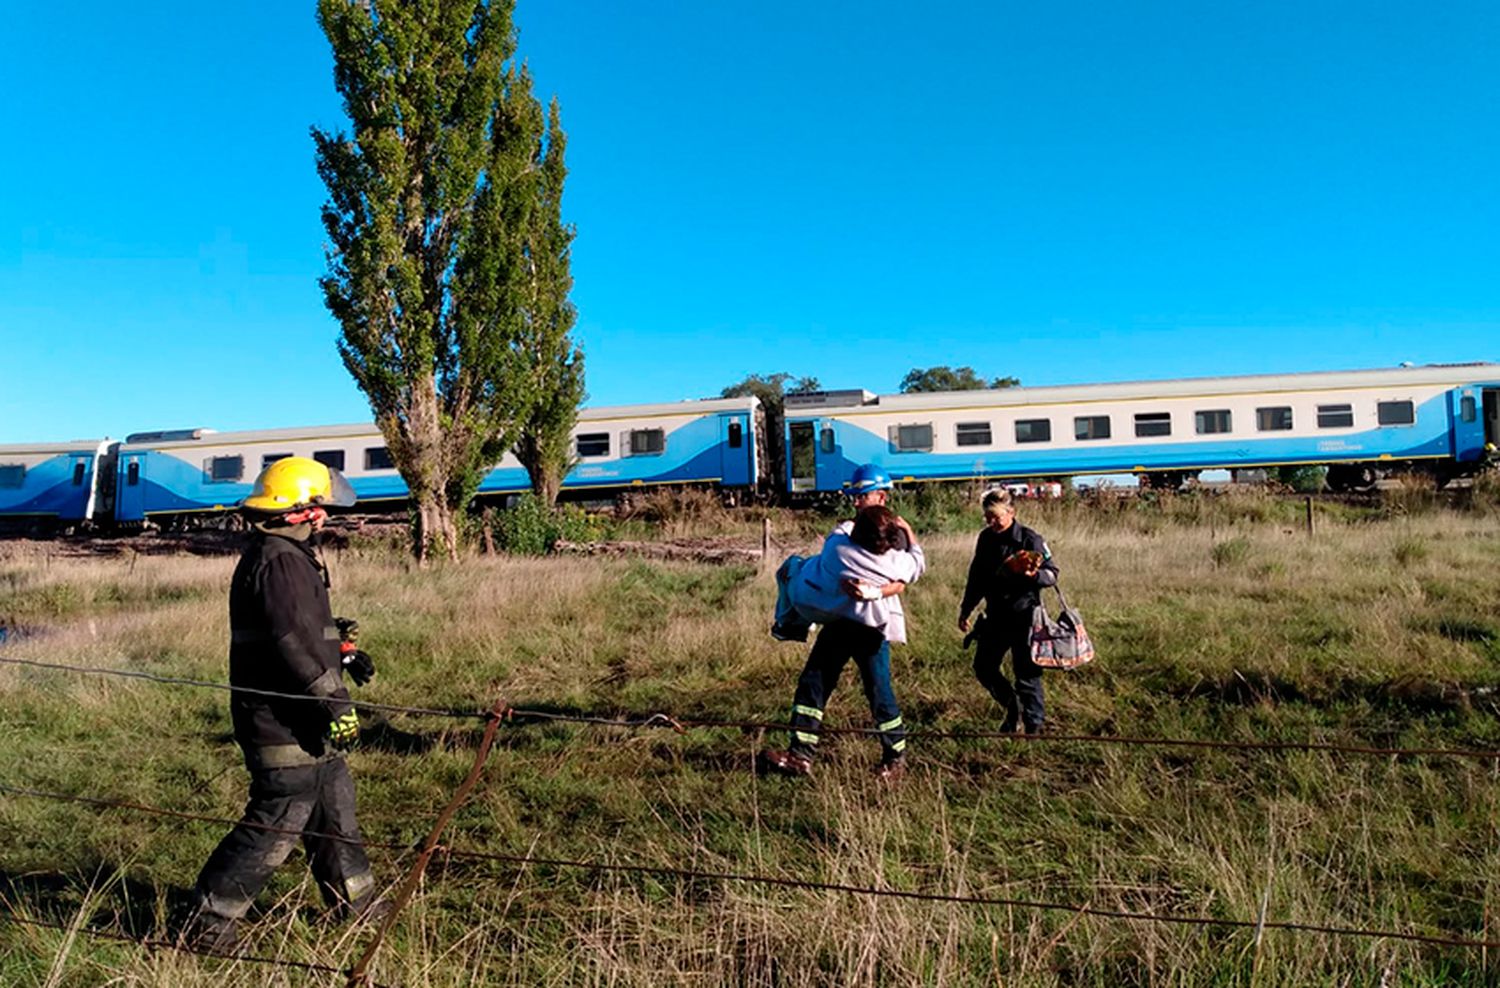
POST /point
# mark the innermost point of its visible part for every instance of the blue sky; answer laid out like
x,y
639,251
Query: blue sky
x,y
1060,192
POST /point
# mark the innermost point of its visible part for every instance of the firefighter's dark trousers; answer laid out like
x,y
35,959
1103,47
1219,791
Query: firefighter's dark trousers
x,y
838,642
1022,701
305,802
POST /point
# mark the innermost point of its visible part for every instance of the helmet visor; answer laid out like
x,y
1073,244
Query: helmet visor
x,y
340,491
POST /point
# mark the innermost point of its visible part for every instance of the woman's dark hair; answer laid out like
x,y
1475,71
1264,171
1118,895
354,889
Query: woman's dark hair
x,y
875,529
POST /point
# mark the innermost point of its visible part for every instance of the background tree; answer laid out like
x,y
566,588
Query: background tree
x,y
431,202
946,378
545,447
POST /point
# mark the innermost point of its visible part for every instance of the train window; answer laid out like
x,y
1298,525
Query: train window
x,y
736,435
830,444
12,475
593,444
1033,430
133,473
647,441
1153,424
1395,413
1277,419
1091,427
79,469
973,434
271,458
1335,416
331,458
1467,410
379,458
1210,422
913,438
225,469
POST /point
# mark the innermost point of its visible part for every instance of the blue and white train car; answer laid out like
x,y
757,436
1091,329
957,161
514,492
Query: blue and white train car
x,y
715,442
1355,421
51,482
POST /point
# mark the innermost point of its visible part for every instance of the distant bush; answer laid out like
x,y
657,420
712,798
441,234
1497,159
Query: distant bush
x,y
530,528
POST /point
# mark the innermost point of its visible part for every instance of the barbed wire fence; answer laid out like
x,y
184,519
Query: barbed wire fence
x,y
358,975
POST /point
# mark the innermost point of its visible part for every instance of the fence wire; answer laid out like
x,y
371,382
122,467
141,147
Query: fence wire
x,y
527,860
682,724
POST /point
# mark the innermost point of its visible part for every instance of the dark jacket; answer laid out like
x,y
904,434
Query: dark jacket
x,y
1006,594
282,638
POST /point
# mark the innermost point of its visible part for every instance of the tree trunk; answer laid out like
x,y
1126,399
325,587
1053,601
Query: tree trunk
x,y
436,528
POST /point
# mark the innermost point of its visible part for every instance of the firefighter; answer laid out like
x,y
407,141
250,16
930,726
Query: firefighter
x,y
1011,565
285,639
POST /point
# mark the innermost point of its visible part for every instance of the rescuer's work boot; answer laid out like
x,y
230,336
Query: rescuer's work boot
x,y
891,770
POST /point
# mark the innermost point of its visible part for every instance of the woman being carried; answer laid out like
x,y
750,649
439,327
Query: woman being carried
x,y
852,589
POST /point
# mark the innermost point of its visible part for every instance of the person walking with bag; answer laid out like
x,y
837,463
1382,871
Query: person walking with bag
x,y
1011,565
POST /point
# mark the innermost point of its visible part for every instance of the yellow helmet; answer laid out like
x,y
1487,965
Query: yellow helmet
x,y
294,482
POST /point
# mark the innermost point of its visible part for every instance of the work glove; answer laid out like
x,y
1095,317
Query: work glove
x,y
356,661
343,731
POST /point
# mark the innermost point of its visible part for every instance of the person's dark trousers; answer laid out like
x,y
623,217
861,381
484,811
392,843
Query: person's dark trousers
x,y
838,642
307,802
1023,701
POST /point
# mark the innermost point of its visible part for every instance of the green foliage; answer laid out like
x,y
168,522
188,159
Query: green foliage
x,y
1306,479
447,260
945,378
531,527
556,364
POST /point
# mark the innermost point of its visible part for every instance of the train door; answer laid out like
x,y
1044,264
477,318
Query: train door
x,y
737,448
802,456
1492,417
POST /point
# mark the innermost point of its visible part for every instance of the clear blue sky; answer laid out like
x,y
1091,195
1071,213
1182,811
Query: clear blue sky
x,y
1061,192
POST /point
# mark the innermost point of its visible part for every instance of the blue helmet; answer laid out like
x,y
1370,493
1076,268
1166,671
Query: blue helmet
x,y
867,478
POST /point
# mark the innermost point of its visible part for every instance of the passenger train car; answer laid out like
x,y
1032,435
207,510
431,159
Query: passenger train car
x,y
1442,418
1357,422
713,443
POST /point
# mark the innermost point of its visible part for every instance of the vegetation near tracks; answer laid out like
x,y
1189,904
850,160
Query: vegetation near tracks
x,y
1381,629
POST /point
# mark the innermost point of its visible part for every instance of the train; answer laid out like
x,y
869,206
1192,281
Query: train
x,y
1443,419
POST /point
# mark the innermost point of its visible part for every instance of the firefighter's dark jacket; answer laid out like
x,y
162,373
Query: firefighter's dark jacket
x,y
283,639
1007,595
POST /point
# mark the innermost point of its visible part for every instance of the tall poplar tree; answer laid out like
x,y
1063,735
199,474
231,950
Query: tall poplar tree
x,y
545,447
431,201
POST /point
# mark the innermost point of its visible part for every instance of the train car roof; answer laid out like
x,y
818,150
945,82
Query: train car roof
x,y
179,438
1448,374
71,446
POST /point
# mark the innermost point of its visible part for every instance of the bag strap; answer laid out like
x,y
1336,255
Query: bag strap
x,y
1060,595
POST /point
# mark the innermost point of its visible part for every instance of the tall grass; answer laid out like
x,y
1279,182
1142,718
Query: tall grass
x,y
1372,631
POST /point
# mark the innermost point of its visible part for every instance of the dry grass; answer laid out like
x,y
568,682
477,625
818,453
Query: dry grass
x,y
1380,632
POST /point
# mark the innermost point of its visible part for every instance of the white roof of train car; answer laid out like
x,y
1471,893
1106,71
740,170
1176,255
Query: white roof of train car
x,y
74,446
1447,374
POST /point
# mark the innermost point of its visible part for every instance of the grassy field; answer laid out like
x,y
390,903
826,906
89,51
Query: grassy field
x,y
1224,622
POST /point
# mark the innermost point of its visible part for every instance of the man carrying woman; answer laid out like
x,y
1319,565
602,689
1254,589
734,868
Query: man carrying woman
x,y
852,589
